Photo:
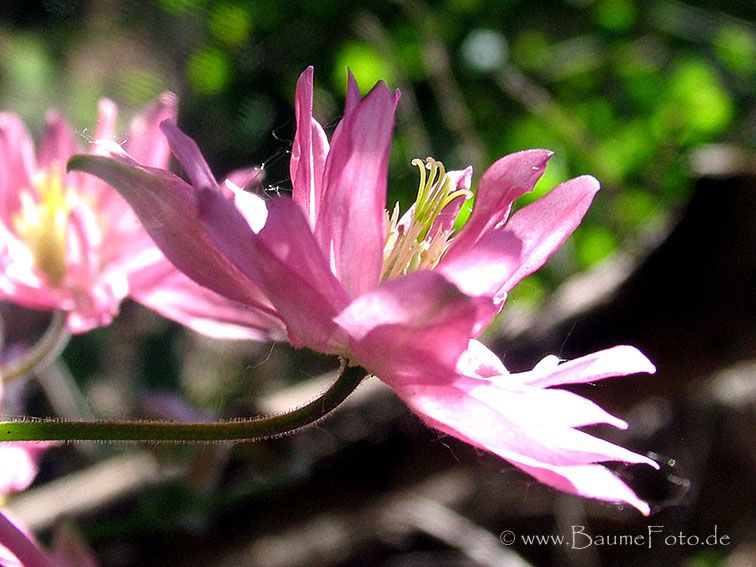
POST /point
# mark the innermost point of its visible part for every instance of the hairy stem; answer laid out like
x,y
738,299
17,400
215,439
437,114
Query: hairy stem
x,y
178,432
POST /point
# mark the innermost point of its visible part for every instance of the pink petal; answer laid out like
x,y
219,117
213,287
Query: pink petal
x,y
559,456
58,142
284,260
501,184
20,545
482,268
479,361
616,361
247,178
189,156
164,289
350,225
410,330
308,152
168,209
545,224
146,143
17,163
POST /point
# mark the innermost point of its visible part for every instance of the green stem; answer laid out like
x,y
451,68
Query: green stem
x,y
47,349
176,432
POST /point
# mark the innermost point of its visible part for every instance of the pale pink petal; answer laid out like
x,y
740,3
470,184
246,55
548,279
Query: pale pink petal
x,y
17,163
107,118
410,330
507,425
545,224
562,451
615,361
308,152
83,241
350,225
58,142
146,143
164,289
588,481
501,184
189,156
19,467
284,261
538,407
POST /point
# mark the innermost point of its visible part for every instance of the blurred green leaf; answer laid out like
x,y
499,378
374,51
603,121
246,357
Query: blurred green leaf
x,y
209,71
366,64
231,23
735,46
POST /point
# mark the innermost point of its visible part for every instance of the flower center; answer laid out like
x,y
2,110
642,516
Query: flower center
x,y
418,239
42,222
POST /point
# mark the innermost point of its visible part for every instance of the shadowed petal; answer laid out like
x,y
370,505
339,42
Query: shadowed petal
x,y
167,207
189,156
350,225
284,261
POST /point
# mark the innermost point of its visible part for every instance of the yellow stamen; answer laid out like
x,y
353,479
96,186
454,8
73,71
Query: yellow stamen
x,y
412,245
42,222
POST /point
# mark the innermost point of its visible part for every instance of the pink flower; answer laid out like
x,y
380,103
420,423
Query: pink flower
x,y
18,462
400,296
18,548
70,242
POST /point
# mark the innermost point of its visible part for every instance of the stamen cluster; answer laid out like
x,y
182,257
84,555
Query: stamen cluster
x,y
416,241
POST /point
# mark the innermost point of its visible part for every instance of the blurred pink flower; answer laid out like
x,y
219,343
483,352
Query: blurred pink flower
x,y
400,296
18,462
70,242
19,548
